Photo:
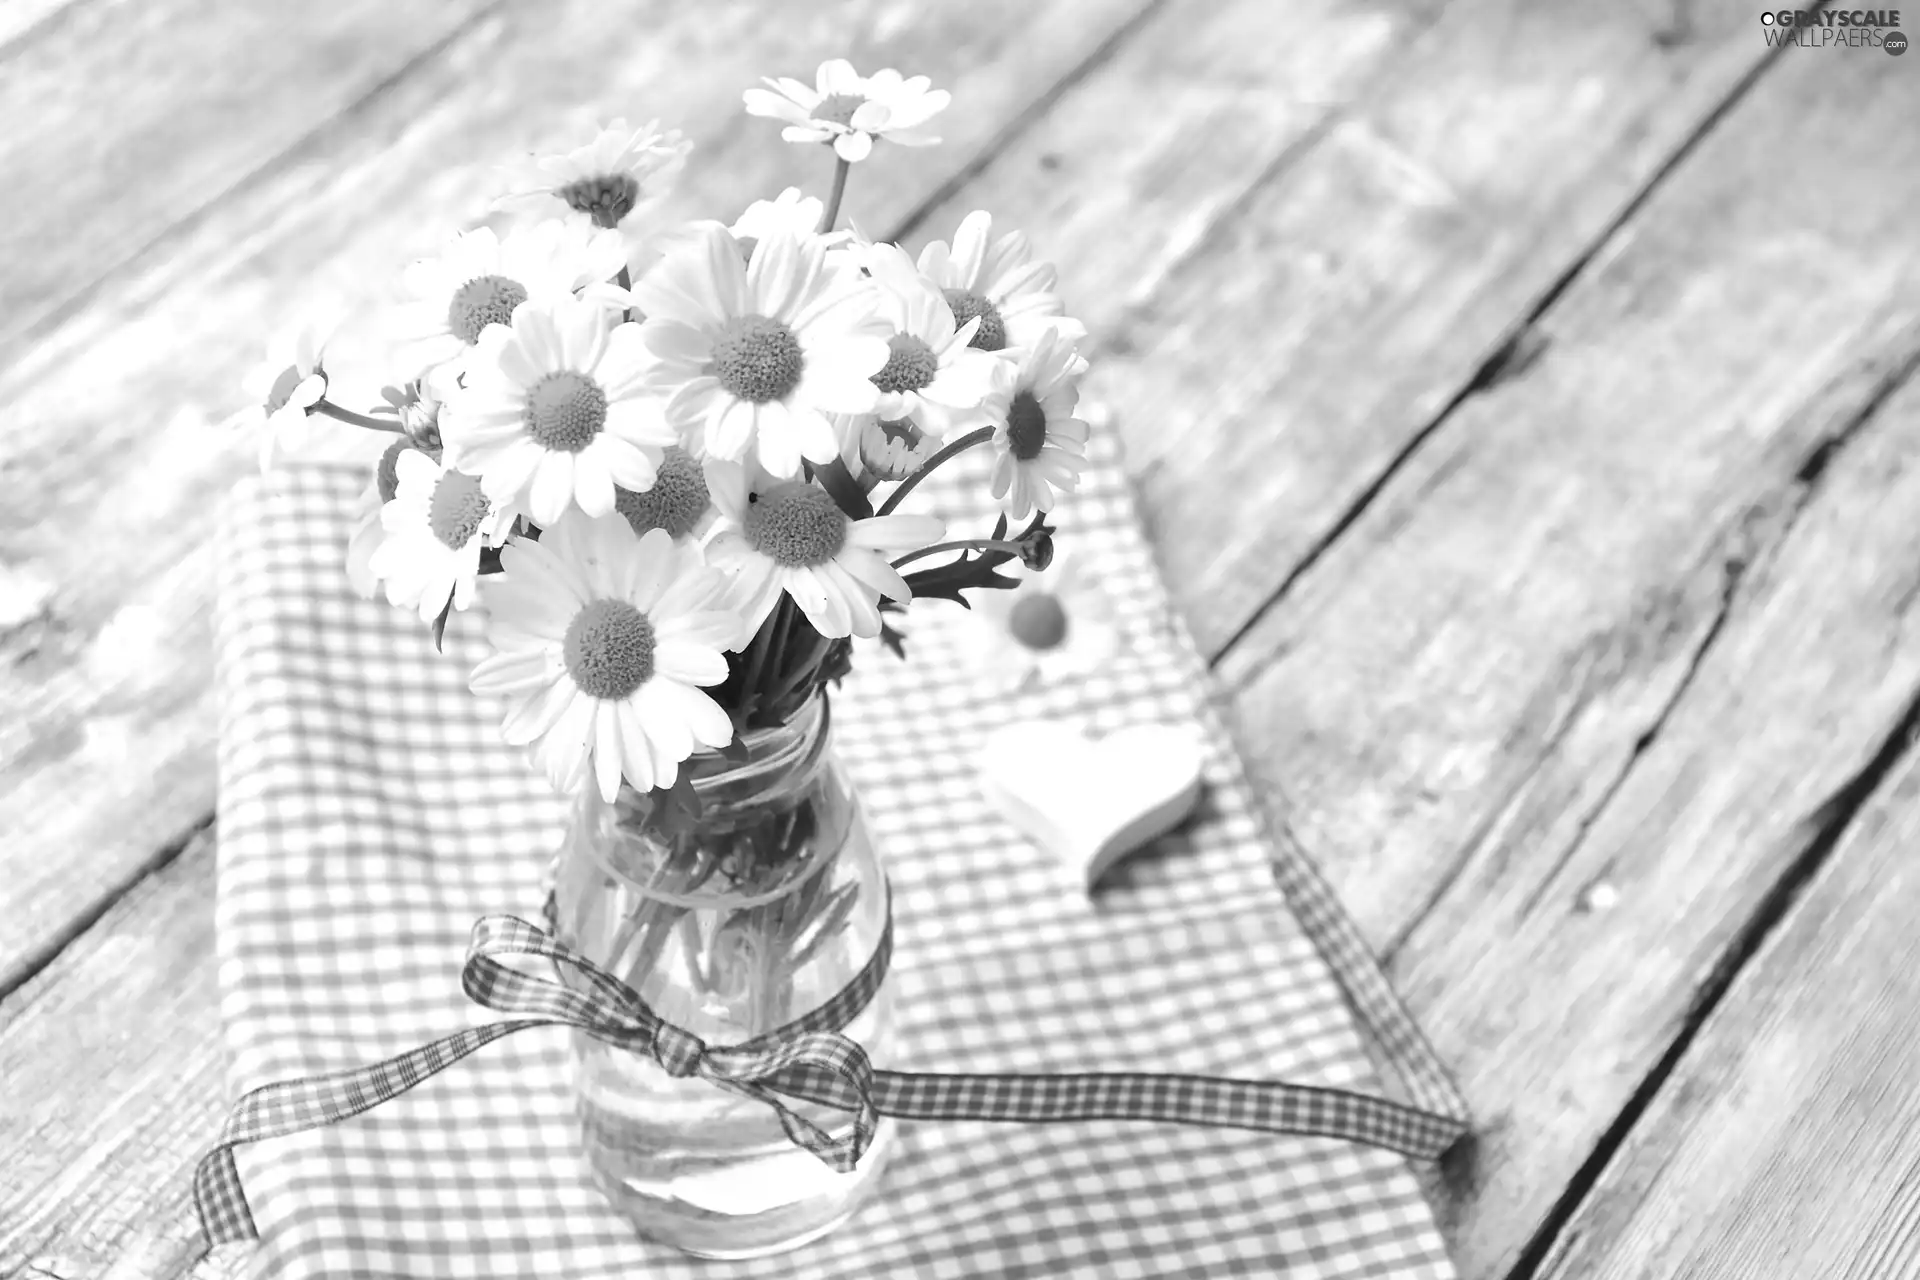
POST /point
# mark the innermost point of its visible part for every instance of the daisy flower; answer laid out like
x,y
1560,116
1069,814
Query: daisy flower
x,y
435,525
368,530
788,535
886,449
601,642
790,212
480,279
755,356
998,283
932,378
286,387
1054,626
417,407
849,110
1039,446
606,180
679,501
554,413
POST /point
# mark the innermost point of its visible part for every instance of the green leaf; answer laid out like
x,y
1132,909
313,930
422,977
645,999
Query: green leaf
x,y
839,482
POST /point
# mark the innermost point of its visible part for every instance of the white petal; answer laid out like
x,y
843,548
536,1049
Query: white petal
x,y
896,532
552,487
635,754
606,748
871,569
689,663
650,567
862,613
504,674
692,708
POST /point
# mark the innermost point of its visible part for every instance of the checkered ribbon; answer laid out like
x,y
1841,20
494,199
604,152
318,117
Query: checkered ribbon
x,y
807,1058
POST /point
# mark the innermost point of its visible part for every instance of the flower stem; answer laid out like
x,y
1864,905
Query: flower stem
x,y
777,651
960,544
965,442
757,651
832,215
333,410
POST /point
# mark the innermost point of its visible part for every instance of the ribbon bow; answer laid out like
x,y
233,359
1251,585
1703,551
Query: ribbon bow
x,y
807,1059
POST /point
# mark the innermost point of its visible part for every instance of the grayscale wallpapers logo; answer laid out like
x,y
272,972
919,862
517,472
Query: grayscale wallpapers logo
x,y
1836,28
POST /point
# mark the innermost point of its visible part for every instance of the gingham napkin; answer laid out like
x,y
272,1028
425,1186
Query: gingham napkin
x,y
369,813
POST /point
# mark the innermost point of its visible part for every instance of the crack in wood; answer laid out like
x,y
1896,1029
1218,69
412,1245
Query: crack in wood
x,y
1734,571
1101,54
86,295
1826,825
1507,361
23,971
1749,543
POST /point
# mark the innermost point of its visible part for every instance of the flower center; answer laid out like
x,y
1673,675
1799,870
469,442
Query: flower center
x,y
608,649
282,389
910,364
604,197
482,301
1038,620
675,503
565,411
457,508
796,524
1026,427
838,108
757,359
965,305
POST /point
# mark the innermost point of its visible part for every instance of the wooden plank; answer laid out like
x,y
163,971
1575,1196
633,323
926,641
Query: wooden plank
x,y
144,114
1366,42
1554,711
128,500
1785,1141
114,1080
1301,331
24,20
1211,169
110,450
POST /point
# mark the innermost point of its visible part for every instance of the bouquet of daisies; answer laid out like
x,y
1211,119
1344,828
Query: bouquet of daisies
x,y
670,463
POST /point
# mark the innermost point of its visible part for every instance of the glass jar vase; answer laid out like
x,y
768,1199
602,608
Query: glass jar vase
x,y
731,916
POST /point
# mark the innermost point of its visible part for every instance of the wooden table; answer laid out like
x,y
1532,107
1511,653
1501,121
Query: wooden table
x,y
1522,396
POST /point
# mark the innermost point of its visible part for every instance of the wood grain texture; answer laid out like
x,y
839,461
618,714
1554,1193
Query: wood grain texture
x,y
106,714
1786,1140
1364,273
1562,705
24,20
145,114
113,1066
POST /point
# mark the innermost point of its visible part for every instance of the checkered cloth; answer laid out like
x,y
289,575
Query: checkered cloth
x,y
369,814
